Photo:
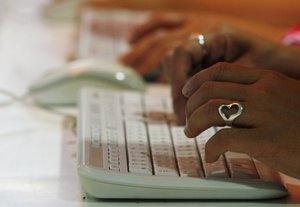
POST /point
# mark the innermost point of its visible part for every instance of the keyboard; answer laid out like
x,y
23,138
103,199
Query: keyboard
x,y
129,147
103,33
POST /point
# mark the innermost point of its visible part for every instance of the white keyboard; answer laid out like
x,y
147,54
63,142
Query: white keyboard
x,y
130,147
103,33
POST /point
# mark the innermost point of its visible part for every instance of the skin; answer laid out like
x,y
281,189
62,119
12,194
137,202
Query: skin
x,y
228,45
163,32
260,74
159,35
268,128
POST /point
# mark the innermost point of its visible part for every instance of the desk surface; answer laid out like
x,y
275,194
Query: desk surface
x,y
37,154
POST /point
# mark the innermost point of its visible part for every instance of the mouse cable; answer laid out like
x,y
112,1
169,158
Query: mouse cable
x,y
25,100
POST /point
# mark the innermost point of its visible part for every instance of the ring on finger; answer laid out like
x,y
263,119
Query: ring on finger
x,y
199,38
229,120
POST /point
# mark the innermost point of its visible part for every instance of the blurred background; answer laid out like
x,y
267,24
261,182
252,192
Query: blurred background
x,y
36,35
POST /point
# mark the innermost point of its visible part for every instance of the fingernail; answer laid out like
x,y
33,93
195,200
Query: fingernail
x,y
186,130
186,90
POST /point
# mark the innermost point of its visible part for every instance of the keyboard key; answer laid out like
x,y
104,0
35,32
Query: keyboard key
x,y
241,165
132,106
126,134
212,170
95,135
138,148
164,162
110,131
186,153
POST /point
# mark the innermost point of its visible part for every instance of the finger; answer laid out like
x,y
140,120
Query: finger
x,y
167,63
137,51
147,54
233,49
197,52
239,140
152,59
178,105
151,62
224,44
207,115
225,72
216,90
178,102
216,46
157,22
181,62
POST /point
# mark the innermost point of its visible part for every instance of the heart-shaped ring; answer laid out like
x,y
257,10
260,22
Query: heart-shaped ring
x,y
232,117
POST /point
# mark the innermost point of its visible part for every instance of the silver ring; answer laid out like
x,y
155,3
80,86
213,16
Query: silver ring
x,y
199,38
229,120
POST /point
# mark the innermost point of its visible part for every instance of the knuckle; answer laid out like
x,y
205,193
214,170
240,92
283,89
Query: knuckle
x,y
206,90
219,69
207,86
267,82
272,75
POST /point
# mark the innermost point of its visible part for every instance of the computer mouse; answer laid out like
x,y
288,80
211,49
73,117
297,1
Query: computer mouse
x,y
61,86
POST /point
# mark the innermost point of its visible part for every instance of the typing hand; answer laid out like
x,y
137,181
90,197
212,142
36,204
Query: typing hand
x,y
268,127
151,40
158,36
221,44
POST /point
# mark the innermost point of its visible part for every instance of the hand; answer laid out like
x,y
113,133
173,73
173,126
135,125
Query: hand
x,y
158,36
164,31
267,129
151,40
229,45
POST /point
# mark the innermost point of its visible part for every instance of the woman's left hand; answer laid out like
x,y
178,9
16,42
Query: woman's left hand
x,y
267,129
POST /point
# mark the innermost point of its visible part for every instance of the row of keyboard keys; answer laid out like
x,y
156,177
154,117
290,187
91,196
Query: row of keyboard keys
x,y
154,148
187,155
163,156
110,130
241,165
216,169
138,148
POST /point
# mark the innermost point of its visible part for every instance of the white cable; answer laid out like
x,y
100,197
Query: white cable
x,y
25,100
